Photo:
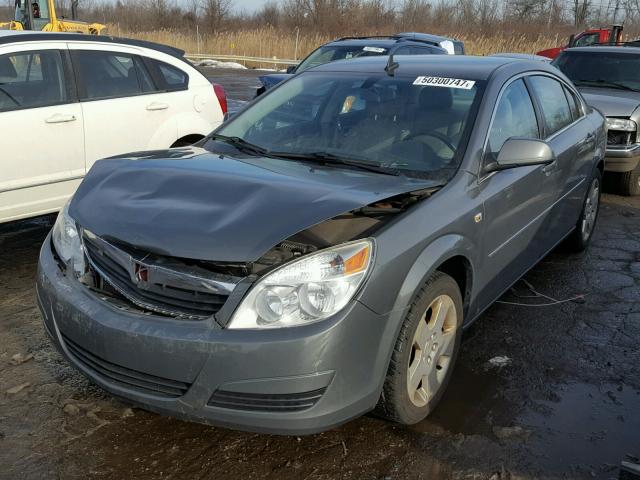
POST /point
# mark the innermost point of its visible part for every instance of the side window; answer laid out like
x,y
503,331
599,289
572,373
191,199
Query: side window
x,y
403,51
553,101
514,117
423,51
574,104
173,77
31,79
112,74
585,40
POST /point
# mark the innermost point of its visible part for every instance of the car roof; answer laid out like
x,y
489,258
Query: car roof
x,y
357,42
455,66
17,36
387,40
605,49
521,56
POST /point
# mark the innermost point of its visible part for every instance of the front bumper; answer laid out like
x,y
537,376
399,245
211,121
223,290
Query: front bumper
x,y
289,381
622,159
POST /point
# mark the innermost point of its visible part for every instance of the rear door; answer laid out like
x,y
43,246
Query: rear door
x,y
42,131
124,109
568,134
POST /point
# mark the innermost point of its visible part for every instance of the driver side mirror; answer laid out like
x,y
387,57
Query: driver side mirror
x,y
292,68
521,152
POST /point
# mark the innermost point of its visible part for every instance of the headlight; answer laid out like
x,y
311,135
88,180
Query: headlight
x,y
621,124
67,241
306,290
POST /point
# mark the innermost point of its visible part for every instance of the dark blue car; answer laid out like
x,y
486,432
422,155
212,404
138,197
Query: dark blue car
x,y
409,43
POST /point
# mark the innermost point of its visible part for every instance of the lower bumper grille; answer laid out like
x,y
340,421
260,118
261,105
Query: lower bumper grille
x,y
277,402
126,377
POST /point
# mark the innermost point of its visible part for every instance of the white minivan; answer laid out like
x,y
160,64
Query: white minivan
x,y
67,100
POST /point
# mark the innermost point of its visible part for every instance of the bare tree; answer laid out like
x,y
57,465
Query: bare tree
x,y
215,13
580,12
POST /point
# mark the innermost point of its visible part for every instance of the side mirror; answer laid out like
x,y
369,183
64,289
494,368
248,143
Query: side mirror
x,y
292,68
520,152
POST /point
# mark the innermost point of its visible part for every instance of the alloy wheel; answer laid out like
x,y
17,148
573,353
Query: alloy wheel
x,y
590,209
431,350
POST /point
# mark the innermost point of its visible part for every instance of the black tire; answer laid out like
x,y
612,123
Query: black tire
x,y
395,403
578,241
630,182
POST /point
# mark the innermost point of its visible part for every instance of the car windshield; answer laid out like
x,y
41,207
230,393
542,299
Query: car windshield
x,y
619,71
397,123
331,53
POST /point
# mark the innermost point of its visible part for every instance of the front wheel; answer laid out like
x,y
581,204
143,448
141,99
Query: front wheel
x,y
579,239
425,352
630,182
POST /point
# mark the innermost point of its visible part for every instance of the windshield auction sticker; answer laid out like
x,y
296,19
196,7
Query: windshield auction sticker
x,y
445,82
374,49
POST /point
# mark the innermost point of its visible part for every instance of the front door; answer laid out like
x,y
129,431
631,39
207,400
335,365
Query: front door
x,y
42,133
515,200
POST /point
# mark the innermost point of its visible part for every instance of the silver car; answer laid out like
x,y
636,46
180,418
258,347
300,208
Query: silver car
x,y
318,256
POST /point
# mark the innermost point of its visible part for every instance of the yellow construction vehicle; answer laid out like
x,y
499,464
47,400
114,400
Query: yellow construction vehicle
x,y
40,15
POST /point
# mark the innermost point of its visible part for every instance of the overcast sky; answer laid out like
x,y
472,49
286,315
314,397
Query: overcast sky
x,y
248,5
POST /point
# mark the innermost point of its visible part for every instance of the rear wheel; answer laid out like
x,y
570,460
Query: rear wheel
x,y
630,182
581,235
425,352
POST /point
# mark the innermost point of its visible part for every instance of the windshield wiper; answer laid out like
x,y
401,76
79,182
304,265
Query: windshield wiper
x,y
240,144
327,158
605,84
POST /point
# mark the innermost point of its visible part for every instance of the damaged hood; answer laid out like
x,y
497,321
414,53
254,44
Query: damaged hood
x,y
611,102
192,203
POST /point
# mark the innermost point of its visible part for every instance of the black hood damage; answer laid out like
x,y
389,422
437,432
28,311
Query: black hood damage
x,y
194,204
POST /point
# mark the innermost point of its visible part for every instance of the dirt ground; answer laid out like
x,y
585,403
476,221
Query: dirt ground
x,y
564,403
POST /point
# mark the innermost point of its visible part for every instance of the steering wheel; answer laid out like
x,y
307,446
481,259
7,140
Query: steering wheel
x,y
437,135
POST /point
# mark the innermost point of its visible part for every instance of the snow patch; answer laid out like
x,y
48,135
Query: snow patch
x,y
209,62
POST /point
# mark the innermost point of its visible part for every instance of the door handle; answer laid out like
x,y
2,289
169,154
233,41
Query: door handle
x,y
60,118
550,168
157,106
586,144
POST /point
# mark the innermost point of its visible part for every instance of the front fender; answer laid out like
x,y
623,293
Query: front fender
x,y
427,262
385,279
434,255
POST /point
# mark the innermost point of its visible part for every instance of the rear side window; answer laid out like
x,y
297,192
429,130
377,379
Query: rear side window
x,y
111,75
514,117
172,77
574,103
553,101
31,79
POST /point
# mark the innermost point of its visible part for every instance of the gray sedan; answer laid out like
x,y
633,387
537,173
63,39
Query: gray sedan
x,y
607,77
318,256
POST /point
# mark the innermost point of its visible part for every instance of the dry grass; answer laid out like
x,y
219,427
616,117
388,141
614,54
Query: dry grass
x,y
274,43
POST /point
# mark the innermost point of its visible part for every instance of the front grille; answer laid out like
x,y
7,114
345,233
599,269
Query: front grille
x,y
125,377
258,402
167,291
618,138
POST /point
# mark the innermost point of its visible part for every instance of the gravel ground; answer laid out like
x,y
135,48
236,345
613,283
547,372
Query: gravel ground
x,y
564,404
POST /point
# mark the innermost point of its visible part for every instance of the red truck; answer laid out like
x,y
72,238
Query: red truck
x,y
588,37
